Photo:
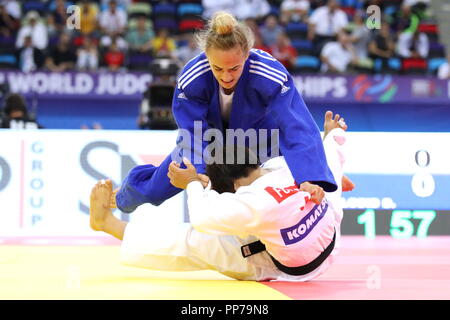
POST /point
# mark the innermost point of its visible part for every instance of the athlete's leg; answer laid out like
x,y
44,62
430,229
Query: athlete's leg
x,y
169,247
334,140
182,248
101,217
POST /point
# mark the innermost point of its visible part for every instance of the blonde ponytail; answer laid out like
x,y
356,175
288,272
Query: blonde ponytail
x,y
224,32
223,23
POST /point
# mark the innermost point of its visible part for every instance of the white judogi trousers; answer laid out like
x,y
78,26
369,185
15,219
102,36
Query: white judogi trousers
x,y
182,248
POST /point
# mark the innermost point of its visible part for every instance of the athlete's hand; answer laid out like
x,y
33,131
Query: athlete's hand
x,y
347,184
179,177
204,179
314,190
112,203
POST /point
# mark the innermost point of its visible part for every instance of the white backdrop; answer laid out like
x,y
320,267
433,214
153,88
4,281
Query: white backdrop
x,y
47,175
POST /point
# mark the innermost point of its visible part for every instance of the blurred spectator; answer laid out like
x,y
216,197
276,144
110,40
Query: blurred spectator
x,y
382,45
163,44
294,10
378,3
255,9
113,20
259,44
106,41
87,55
406,20
270,30
284,52
114,58
253,25
212,6
9,25
360,35
413,45
13,8
140,39
325,23
62,57
56,20
120,3
185,53
444,69
88,21
29,58
36,29
16,114
414,2
336,56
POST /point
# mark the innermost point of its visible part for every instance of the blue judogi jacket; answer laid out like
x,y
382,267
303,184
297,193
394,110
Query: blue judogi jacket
x,y
264,98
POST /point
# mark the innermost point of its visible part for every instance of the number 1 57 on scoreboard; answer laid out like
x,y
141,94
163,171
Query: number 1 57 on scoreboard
x,y
401,225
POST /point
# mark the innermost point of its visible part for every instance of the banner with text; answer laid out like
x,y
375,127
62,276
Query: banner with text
x,y
314,88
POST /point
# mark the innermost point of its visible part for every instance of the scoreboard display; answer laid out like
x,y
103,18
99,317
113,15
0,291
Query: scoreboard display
x,y
402,184
396,223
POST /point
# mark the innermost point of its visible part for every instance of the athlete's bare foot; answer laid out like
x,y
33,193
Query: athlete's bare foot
x,y
100,205
331,123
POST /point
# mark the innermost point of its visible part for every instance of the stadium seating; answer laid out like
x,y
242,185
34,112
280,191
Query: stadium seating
x,y
190,10
307,64
8,58
434,64
302,46
139,9
165,16
414,66
139,61
185,16
34,5
296,30
437,50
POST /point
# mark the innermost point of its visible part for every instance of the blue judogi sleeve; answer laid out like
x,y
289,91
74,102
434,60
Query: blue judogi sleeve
x,y
300,140
146,184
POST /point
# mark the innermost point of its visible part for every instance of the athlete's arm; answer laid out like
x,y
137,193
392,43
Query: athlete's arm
x,y
210,211
300,140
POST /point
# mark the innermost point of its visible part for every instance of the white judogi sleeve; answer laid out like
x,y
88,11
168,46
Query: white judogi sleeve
x,y
220,214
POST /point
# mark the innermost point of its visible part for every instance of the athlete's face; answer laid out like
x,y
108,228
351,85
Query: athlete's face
x,y
227,65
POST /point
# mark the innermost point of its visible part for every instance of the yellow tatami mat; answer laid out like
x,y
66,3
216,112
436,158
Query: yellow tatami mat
x,y
94,272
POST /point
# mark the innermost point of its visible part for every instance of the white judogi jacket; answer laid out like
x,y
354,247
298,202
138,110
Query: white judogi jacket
x,y
294,229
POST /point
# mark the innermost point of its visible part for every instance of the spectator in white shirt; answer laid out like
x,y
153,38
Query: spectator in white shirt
x,y
113,20
254,9
337,56
325,23
413,45
34,28
13,8
212,6
444,70
294,10
87,55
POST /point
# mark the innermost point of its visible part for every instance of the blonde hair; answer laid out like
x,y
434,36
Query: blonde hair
x,y
224,32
